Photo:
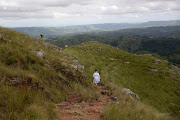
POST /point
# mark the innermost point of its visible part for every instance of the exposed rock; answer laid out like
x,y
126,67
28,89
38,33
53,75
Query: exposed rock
x,y
81,67
171,76
129,92
103,92
100,48
40,53
63,52
85,46
47,61
179,73
64,81
37,85
136,96
47,45
75,62
64,64
157,61
114,98
14,81
175,67
68,73
26,83
153,70
4,40
74,66
72,58
47,65
60,51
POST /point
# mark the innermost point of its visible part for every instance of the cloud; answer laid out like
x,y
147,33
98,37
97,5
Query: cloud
x,y
82,9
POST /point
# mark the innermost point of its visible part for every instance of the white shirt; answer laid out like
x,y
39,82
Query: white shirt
x,y
96,77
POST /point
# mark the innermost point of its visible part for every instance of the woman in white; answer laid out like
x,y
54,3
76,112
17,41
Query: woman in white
x,y
96,77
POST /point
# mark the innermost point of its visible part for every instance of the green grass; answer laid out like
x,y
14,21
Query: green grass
x,y
159,94
18,60
126,70
127,108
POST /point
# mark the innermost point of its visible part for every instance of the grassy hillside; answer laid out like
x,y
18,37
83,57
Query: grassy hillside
x,y
165,47
120,69
33,78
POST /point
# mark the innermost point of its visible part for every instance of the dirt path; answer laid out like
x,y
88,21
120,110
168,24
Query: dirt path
x,y
72,110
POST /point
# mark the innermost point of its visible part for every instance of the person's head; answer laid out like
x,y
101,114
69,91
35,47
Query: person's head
x,y
95,70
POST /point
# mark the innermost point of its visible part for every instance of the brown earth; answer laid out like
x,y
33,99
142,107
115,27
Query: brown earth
x,y
73,110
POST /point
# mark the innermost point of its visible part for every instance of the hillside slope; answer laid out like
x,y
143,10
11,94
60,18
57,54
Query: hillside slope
x,y
155,81
34,76
166,47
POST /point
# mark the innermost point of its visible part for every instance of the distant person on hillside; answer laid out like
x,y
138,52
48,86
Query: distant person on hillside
x,y
41,35
96,76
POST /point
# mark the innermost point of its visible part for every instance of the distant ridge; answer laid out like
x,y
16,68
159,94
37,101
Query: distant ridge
x,y
69,30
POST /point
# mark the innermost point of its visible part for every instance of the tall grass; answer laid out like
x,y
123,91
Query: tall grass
x,y
118,69
126,70
18,60
127,108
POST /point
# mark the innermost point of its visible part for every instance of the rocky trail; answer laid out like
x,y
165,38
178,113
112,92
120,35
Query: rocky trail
x,y
73,110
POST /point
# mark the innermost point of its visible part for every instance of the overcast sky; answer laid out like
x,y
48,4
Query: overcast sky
x,y
19,13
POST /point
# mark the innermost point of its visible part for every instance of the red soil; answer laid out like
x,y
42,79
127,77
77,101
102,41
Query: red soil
x,y
72,110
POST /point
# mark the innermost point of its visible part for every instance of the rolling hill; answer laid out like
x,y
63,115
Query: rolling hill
x,y
36,76
159,41
157,83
